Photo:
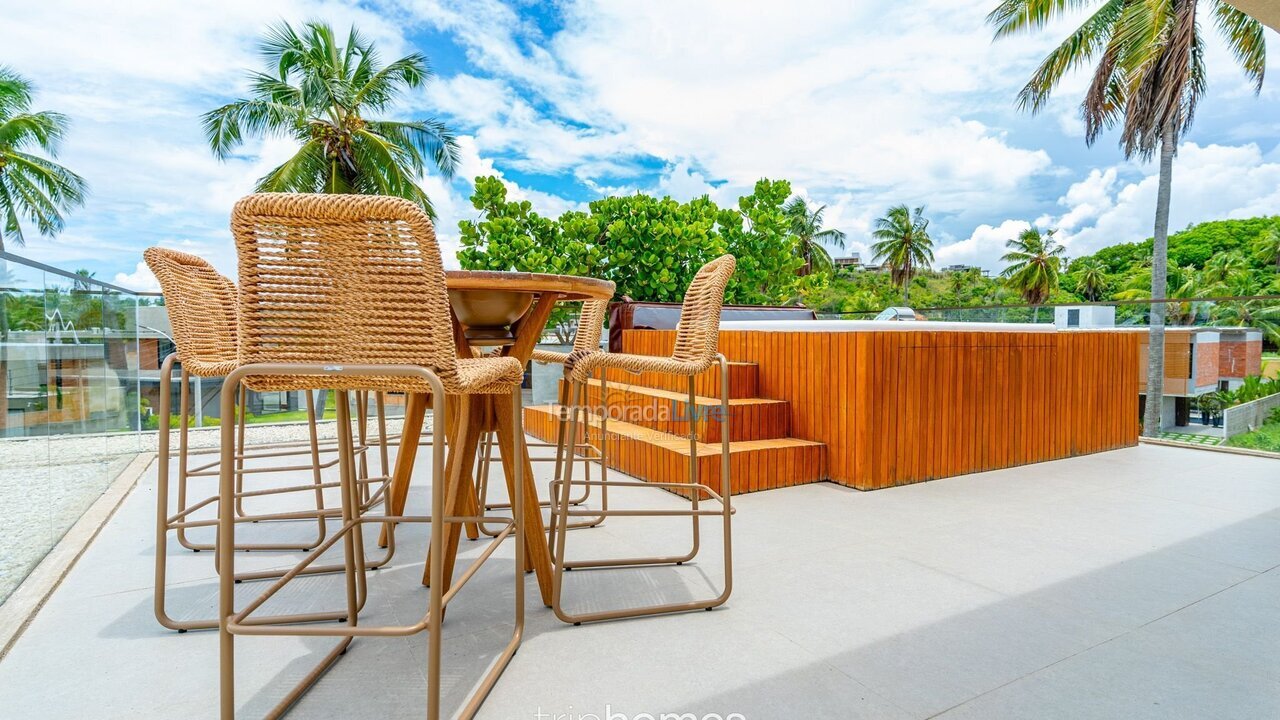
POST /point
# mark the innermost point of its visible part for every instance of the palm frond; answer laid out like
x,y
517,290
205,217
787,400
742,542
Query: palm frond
x,y
385,86
1011,16
1247,39
30,199
11,229
1076,50
1164,59
225,127
430,138
304,172
832,237
65,188
281,47
43,129
15,92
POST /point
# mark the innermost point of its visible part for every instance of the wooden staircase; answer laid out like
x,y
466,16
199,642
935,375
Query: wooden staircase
x,y
649,422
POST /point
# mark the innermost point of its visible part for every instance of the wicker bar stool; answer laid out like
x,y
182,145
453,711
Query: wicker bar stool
x,y
585,340
696,350
347,292
202,311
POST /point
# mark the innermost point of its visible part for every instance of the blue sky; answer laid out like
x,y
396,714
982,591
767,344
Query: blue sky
x,y
860,104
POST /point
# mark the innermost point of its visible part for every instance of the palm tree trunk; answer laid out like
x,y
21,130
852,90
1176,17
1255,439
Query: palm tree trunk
x,y
1159,277
906,287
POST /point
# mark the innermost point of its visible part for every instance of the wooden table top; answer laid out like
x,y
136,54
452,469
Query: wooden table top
x,y
569,287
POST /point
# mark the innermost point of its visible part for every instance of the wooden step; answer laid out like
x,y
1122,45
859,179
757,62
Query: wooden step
x,y
656,456
749,418
744,380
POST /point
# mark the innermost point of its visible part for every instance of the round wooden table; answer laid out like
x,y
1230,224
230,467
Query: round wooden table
x,y
491,413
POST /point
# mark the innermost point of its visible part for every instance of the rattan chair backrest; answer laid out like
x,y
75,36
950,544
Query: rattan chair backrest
x,y
201,304
590,325
341,279
698,332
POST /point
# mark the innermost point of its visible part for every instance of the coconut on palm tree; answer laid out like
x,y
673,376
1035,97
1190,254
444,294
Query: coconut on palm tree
x,y
807,227
904,245
1148,78
33,188
325,96
1035,265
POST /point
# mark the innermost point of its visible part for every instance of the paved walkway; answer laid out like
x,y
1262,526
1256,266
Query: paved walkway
x,y
1141,583
1193,438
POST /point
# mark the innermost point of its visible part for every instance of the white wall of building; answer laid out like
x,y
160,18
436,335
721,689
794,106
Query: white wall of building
x,y
1084,316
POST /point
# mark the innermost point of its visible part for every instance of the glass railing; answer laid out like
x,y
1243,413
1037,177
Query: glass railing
x,y
69,359
80,374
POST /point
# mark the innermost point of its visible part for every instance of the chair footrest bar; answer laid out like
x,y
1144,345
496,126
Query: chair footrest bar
x,y
242,623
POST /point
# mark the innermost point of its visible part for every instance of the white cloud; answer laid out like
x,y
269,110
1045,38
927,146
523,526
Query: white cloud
x,y
823,97
983,248
134,78
860,105
1209,183
1117,204
141,279
1086,199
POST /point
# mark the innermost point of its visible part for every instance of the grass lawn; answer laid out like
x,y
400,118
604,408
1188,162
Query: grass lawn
x,y
1266,437
283,417
330,413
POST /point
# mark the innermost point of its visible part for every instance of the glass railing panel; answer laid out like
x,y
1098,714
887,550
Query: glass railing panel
x,y
26,532
68,359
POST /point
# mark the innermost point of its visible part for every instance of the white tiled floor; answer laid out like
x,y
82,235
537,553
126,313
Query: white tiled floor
x,y
1131,584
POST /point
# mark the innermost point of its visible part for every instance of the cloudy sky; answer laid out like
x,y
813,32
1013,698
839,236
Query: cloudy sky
x,y
860,104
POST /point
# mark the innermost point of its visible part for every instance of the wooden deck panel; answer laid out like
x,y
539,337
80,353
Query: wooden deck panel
x,y
902,407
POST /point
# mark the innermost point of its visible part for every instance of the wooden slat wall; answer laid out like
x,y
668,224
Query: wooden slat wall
x,y
903,407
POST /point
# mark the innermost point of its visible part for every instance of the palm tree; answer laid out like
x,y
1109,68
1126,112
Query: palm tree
x,y
321,94
31,186
806,226
1149,78
1223,266
1091,280
1035,266
905,245
1267,246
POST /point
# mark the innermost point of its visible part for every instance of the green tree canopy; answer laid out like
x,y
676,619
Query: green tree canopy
x,y
649,247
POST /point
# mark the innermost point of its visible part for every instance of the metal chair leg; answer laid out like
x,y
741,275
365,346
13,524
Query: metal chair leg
x,y
233,623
